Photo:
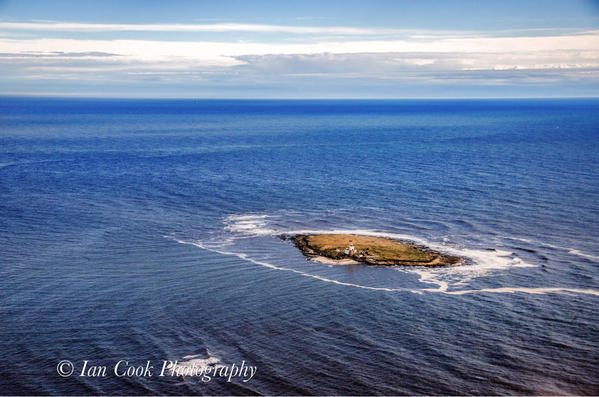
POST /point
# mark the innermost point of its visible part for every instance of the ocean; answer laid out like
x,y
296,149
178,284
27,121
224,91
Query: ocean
x,y
147,230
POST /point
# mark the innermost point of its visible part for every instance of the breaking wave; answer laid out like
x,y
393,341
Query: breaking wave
x,y
483,262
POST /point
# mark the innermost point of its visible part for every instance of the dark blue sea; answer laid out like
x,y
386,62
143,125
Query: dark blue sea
x,y
146,230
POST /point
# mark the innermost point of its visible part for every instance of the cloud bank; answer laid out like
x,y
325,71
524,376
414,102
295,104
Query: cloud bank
x,y
291,59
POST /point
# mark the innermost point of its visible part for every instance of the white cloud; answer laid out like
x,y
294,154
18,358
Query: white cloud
x,y
488,58
146,50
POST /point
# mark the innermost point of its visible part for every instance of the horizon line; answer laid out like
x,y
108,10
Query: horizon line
x,y
92,96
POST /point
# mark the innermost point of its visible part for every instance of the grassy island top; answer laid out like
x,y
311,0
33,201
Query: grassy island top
x,y
371,250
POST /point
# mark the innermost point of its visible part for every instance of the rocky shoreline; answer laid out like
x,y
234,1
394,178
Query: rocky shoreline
x,y
368,250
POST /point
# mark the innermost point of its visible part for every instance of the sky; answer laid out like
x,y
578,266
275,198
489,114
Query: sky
x,y
300,49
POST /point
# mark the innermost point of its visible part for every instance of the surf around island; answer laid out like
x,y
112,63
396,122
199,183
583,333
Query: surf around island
x,y
350,248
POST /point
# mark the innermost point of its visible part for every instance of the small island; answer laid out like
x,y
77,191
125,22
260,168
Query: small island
x,y
351,248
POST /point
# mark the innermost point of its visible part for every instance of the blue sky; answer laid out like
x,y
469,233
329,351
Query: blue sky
x,y
303,49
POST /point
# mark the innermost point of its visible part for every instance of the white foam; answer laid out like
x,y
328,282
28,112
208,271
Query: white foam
x,y
425,277
248,225
538,291
483,263
200,362
582,254
571,251
192,365
245,217
525,240
274,267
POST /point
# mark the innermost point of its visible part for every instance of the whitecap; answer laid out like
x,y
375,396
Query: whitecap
x,y
192,365
571,251
200,362
582,254
482,262
248,225
425,277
